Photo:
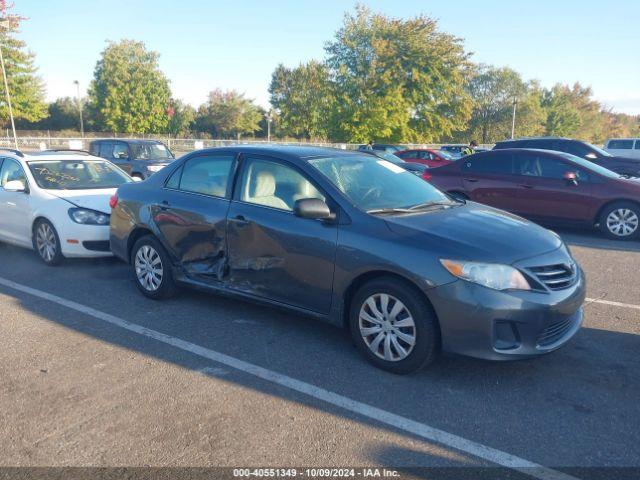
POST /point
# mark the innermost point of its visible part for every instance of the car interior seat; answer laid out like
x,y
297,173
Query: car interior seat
x,y
264,189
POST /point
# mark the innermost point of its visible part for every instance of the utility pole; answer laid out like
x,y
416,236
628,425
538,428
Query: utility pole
x,y
4,23
513,122
77,84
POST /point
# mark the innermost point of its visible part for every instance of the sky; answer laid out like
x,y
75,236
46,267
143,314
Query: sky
x,y
205,45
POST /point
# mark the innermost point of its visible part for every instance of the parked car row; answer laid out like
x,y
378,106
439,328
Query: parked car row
x,y
347,237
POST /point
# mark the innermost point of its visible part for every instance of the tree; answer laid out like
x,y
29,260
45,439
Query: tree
x,y
129,93
228,114
302,97
25,86
181,118
396,80
494,91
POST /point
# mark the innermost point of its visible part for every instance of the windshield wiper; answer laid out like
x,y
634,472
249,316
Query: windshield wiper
x,y
383,211
420,206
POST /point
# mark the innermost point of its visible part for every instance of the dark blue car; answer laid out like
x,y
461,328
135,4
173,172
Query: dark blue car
x,y
354,240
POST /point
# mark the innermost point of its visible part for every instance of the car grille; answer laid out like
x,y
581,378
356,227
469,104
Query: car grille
x,y
555,331
555,277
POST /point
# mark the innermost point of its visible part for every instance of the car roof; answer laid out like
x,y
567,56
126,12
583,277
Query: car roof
x,y
36,156
290,152
127,140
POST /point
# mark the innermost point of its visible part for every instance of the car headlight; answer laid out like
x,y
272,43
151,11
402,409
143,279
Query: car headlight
x,y
88,217
491,275
155,168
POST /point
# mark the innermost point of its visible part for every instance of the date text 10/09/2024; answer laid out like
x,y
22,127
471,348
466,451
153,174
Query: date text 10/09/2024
x,y
316,472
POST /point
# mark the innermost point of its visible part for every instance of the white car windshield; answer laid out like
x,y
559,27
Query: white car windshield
x,y
375,184
77,174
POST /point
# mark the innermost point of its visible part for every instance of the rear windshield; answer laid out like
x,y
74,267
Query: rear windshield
x,y
77,174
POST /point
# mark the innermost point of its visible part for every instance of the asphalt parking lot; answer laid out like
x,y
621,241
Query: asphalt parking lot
x,y
115,379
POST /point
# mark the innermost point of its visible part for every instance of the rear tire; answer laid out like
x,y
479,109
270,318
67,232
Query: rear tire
x,y
393,326
46,243
621,221
151,269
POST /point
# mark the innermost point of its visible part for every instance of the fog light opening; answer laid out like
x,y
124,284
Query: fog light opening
x,y
505,336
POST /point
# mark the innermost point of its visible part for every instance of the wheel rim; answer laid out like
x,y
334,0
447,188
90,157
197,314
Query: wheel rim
x,y
46,242
149,269
387,327
622,222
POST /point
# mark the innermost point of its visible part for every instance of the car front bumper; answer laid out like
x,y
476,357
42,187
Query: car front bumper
x,y
507,325
84,241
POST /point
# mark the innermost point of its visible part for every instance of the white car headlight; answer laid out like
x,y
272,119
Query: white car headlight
x,y
88,217
491,275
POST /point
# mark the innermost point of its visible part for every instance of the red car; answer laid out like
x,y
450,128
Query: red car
x,y
545,186
426,156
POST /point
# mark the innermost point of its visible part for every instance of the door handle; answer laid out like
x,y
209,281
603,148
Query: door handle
x,y
526,185
240,220
472,180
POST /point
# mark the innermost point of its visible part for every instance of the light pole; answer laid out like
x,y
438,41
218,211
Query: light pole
x,y
77,84
4,23
513,121
269,119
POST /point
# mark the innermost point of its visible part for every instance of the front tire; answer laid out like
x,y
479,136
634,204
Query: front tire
x,y
151,268
46,243
621,221
393,326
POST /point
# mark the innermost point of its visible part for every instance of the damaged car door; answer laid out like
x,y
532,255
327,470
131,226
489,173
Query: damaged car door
x,y
273,253
192,214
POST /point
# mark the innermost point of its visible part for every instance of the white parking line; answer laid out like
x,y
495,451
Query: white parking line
x,y
382,416
613,304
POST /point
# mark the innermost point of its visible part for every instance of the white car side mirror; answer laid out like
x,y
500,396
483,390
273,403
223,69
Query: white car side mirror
x,y
15,186
591,156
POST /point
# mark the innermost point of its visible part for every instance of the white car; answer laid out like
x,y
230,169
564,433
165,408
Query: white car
x,y
57,203
623,147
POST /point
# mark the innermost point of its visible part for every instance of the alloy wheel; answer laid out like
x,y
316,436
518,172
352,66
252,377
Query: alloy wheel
x,y
387,327
622,222
46,242
149,270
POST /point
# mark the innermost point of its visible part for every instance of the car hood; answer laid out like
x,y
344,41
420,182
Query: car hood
x,y
475,232
93,199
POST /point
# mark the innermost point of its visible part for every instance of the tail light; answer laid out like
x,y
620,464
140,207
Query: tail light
x,y
113,201
426,176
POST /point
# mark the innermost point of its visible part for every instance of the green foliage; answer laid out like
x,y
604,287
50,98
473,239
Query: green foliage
x,y
63,114
302,96
129,93
494,91
228,114
396,80
181,118
25,86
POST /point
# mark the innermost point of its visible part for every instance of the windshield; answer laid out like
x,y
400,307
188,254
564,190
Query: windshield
x,y
151,151
446,155
590,165
77,174
390,157
373,184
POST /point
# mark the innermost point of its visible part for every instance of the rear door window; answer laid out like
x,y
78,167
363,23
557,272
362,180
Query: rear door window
x,y
637,144
489,164
106,150
206,175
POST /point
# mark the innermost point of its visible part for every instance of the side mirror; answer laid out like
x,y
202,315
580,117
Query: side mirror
x,y
571,178
312,208
123,156
591,156
15,186
136,179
